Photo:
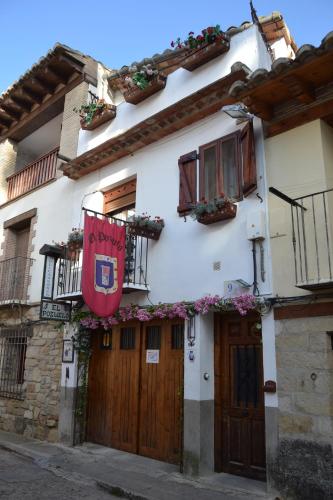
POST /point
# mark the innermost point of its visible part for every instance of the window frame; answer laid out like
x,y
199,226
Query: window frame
x,y
219,184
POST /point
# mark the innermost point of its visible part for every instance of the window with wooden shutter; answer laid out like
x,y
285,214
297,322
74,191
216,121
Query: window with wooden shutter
x,y
187,182
248,159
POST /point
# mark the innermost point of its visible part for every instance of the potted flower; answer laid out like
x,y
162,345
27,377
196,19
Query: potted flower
x,y
95,113
144,225
74,244
142,83
208,212
202,48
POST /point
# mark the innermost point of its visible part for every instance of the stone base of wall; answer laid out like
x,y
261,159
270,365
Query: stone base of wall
x,y
302,466
37,414
303,470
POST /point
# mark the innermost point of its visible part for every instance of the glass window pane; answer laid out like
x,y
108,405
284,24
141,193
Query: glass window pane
x,y
210,173
229,174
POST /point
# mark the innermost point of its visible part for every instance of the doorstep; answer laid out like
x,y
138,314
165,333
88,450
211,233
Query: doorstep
x,y
131,476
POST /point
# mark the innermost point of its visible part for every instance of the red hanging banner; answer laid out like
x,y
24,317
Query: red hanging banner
x,y
103,265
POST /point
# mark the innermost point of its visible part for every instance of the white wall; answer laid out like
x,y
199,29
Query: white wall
x,y
246,47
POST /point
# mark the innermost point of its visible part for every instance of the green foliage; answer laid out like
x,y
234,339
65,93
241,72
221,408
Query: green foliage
x,y
141,78
209,207
88,111
208,35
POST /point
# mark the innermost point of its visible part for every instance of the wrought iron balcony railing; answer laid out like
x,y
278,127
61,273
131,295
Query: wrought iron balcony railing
x,y
69,269
14,279
37,173
312,232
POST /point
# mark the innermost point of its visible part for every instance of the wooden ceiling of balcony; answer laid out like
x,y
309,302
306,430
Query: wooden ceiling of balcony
x,y
39,94
294,92
192,108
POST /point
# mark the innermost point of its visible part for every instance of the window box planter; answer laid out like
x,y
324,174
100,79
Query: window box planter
x,y
145,232
100,117
225,212
134,95
201,55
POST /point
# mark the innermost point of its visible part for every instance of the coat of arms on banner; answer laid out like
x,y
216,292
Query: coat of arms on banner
x,y
106,274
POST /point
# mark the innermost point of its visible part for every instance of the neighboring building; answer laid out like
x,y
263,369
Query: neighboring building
x,y
37,123
295,102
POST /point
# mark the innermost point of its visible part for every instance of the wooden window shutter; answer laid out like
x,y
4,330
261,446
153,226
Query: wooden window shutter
x,y
248,159
187,182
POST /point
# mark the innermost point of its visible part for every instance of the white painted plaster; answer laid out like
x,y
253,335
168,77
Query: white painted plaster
x,y
195,387
269,356
44,139
70,368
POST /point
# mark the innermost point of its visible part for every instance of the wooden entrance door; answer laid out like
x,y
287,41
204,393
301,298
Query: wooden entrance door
x,y
239,397
133,405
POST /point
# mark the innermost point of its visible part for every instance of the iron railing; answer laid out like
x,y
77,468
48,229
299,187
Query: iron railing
x,y
14,279
13,345
33,175
312,233
69,268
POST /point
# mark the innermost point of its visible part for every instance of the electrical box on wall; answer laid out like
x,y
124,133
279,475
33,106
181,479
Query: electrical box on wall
x,y
255,225
234,288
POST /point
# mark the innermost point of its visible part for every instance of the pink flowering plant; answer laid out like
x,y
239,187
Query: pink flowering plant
x,y
182,310
207,36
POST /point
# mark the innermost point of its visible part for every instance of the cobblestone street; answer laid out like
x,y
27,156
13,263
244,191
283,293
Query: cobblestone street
x,y
21,478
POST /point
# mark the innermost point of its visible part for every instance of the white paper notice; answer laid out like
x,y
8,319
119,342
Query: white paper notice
x,y
152,356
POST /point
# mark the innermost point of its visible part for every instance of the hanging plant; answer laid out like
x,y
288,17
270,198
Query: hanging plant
x,y
95,113
208,212
142,83
207,36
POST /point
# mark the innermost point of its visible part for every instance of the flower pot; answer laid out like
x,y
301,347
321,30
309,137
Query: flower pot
x,y
100,117
227,211
145,232
134,95
207,52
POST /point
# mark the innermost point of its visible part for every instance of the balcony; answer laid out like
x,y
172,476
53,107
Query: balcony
x,y
14,280
32,176
312,232
69,270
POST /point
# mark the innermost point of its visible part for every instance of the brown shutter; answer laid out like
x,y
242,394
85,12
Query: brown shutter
x,y
187,182
248,159
120,197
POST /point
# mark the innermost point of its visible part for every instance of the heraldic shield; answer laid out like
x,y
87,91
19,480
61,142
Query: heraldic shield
x,y
106,274
103,265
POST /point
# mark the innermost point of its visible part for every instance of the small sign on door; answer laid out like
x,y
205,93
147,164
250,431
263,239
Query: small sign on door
x,y
153,356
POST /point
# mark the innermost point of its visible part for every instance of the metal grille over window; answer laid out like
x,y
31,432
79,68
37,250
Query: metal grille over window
x,y
153,337
13,345
177,336
127,338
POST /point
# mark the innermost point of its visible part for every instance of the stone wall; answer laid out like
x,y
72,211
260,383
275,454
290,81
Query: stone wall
x,y
38,414
303,464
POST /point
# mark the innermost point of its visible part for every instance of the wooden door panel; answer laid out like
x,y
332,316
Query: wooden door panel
x,y
133,405
239,398
160,397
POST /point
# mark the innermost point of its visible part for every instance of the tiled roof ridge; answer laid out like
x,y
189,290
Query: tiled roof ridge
x,y
172,53
281,65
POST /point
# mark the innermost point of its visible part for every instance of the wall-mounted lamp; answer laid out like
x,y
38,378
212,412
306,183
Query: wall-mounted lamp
x,y
191,332
238,112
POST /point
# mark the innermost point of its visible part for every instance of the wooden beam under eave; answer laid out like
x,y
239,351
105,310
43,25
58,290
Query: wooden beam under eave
x,y
55,74
46,86
33,96
13,114
299,116
21,103
298,89
258,108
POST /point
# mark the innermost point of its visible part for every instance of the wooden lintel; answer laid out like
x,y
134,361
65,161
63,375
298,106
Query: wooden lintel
x,y
74,63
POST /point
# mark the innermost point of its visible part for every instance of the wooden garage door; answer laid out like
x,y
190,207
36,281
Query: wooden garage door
x,y
135,405
239,397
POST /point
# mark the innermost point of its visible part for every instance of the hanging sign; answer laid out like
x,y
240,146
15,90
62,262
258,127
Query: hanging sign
x,y
57,311
48,278
153,356
103,265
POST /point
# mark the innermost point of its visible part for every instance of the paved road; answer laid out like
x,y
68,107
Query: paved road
x,y
22,479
